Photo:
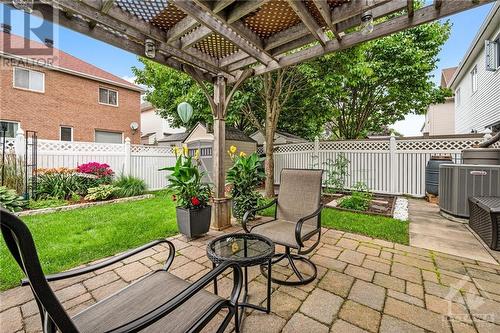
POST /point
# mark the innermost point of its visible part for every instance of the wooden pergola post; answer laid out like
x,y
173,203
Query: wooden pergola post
x,y
221,214
219,102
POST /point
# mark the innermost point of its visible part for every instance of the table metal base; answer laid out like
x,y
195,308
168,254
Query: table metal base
x,y
240,310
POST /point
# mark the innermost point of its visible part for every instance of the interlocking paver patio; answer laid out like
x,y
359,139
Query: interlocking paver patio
x,y
375,286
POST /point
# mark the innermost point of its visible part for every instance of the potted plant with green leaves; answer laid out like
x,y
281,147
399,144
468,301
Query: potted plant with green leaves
x,y
191,195
243,179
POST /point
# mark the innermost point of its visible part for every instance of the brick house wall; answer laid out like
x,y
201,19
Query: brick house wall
x,y
68,100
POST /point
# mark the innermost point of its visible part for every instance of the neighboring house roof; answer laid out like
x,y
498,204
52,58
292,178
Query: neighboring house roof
x,y
174,137
285,134
491,23
60,60
235,134
446,76
147,135
146,106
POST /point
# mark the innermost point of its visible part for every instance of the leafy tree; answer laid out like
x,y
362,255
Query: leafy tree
x,y
372,85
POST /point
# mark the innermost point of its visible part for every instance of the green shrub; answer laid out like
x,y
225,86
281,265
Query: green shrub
x,y
59,185
46,203
10,200
244,177
101,192
129,186
359,199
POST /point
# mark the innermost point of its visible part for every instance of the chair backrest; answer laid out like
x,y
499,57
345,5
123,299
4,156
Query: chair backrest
x,y
20,244
299,194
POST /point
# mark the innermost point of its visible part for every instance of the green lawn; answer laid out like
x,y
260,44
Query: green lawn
x,y
68,239
370,225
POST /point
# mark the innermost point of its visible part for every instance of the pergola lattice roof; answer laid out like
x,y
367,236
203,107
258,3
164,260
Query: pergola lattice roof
x,y
223,37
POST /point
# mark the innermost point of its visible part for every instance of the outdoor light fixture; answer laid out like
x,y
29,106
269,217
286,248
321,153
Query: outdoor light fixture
x,y
185,111
367,23
134,126
26,5
150,48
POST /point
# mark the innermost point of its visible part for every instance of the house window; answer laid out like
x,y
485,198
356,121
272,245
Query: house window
x,y
108,96
473,77
29,79
66,133
108,137
9,127
457,97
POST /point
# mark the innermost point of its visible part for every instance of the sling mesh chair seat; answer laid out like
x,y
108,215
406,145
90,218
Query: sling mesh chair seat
x,y
297,219
159,302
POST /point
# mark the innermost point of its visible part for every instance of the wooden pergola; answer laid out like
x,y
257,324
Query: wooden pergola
x,y
227,41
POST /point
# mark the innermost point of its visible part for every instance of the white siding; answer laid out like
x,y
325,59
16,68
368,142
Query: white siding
x,y
481,108
440,119
151,122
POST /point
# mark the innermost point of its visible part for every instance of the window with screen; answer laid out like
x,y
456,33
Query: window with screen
x,y
473,77
66,133
9,128
29,79
108,96
108,137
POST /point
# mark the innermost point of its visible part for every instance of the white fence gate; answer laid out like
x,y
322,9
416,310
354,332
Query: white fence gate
x,y
387,166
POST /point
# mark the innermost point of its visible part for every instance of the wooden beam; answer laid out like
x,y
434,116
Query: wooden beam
x,y
106,6
207,19
355,7
181,28
326,14
243,8
438,4
125,23
221,4
421,16
285,36
309,21
410,9
75,23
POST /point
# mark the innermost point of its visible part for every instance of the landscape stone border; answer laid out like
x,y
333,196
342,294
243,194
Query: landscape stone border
x,y
82,205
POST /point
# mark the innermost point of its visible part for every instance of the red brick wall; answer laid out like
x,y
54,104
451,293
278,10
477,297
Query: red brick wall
x,y
68,100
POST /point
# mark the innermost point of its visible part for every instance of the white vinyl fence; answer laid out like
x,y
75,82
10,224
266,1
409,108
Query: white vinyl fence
x,y
136,160
392,165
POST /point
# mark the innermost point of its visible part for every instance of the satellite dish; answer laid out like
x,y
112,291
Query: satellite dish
x,y
185,111
134,126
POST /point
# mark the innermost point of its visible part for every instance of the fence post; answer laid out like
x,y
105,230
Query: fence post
x,y
393,165
20,143
316,152
127,163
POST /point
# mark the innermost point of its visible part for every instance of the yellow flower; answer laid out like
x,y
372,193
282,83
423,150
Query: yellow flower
x,y
232,149
185,150
197,154
242,154
175,150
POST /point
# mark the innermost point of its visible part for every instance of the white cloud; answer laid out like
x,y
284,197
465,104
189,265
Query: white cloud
x,y
410,126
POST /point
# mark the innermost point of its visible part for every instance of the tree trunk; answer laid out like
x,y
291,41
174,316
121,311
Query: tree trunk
x,y
269,163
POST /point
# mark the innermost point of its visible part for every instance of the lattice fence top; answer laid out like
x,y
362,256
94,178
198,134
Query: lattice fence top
x,y
437,144
78,147
298,147
354,145
151,150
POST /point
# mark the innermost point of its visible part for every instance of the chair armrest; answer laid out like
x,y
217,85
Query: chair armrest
x,y
251,211
298,226
167,307
110,261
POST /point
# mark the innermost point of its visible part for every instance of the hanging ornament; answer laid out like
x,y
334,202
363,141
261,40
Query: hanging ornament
x,y
185,111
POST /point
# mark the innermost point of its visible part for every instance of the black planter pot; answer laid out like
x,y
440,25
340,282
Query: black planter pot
x,y
193,222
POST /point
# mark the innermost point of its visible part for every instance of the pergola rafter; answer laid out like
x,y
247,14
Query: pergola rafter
x,y
227,41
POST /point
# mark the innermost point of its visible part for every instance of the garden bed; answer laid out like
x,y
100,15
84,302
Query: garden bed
x,y
380,204
82,204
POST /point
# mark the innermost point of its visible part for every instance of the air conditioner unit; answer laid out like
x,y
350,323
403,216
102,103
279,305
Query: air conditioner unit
x,y
458,182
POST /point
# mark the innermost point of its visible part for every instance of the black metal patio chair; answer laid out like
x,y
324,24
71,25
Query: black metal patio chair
x,y
159,302
297,218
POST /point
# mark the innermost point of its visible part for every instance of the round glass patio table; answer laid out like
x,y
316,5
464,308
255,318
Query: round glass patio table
x,y
246,250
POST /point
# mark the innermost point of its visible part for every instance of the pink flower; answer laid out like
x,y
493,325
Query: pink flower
x,y
195,201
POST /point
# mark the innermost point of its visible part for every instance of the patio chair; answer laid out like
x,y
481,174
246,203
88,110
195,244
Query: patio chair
x,y
297,218
159,302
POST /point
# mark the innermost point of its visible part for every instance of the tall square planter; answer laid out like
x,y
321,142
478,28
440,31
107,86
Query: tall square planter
x,y
193,222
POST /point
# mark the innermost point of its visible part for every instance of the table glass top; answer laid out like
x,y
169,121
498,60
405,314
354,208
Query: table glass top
x,y
238,247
